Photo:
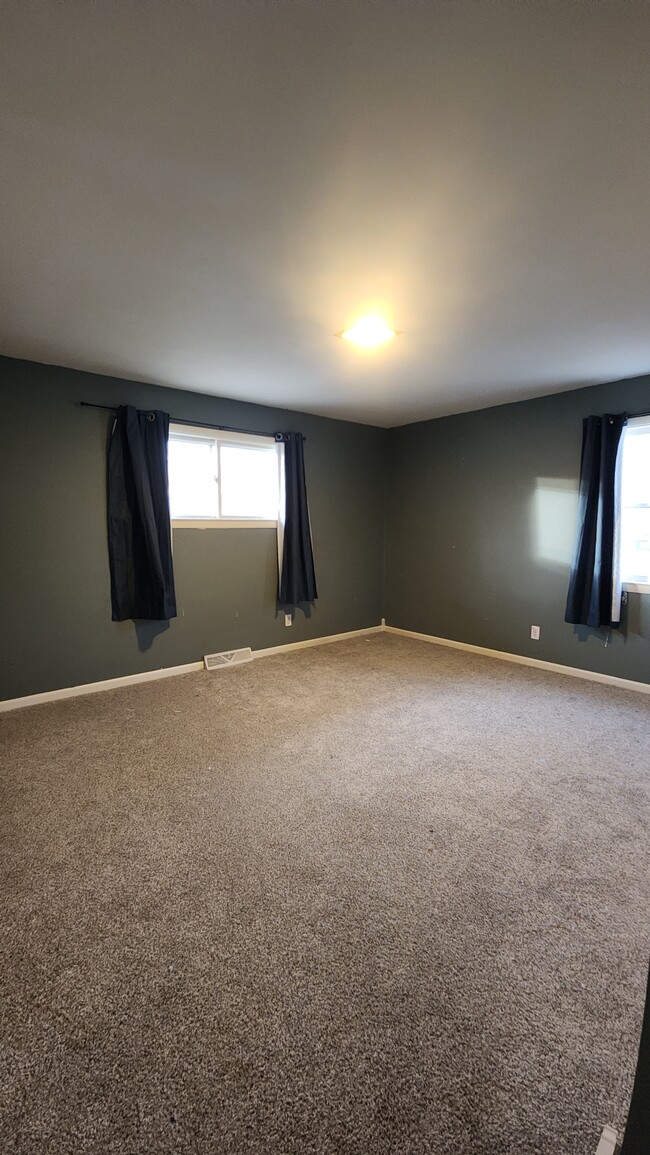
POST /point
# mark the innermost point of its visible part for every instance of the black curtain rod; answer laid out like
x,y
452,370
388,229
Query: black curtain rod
x,y
183,421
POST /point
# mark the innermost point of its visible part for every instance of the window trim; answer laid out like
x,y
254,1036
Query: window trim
x,y
636,587
218,437
221,523
642,422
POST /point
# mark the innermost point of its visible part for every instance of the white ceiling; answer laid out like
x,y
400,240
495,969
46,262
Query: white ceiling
x,y
202,193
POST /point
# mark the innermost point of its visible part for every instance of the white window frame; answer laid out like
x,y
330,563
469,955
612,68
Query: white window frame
x,y
218,437
639,423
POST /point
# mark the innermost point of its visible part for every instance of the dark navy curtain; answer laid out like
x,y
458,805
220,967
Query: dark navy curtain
x,y
637,1131
297,579
591,587
139,527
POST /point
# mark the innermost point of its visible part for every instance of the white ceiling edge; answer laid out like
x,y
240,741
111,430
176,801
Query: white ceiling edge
x,y
331,412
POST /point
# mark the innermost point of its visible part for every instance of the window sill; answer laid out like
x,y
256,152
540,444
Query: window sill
x,y
636,587
220,523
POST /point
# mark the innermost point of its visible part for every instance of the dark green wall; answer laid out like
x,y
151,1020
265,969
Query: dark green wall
x,y
474,540
55,614
479,530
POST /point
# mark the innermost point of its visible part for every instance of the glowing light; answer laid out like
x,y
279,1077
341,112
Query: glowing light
x,y
368,332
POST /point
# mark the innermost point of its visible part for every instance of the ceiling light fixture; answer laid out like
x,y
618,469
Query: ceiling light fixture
x,y
368,332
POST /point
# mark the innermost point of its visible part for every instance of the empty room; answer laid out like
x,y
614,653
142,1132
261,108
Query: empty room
x,y
325,577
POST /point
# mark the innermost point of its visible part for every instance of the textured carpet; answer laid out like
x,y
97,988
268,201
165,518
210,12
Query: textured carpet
x,y
373,897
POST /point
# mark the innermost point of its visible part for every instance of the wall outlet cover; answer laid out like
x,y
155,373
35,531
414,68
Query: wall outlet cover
x,y
534,633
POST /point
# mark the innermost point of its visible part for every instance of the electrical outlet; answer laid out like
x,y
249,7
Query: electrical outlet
x,y
288,619
534,633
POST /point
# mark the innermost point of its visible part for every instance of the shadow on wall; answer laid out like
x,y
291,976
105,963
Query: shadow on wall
x,y
281,609
630,623
146,633
632,615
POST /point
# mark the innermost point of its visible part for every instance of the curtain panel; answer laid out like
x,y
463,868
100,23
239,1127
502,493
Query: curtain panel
x,y
139,527
594,597
296,576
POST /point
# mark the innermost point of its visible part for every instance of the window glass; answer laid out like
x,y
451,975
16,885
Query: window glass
x,y
635,504
218,479
249,482
192,478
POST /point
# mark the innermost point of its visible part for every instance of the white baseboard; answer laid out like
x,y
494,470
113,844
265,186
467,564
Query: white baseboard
x,y
317,641
520,659
96,687
191,667
165,672
608,1141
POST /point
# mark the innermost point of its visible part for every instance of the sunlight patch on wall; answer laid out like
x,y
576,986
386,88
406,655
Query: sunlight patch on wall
x,y
554,513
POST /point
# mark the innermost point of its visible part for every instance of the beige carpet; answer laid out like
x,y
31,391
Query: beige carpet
x,y
373,897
